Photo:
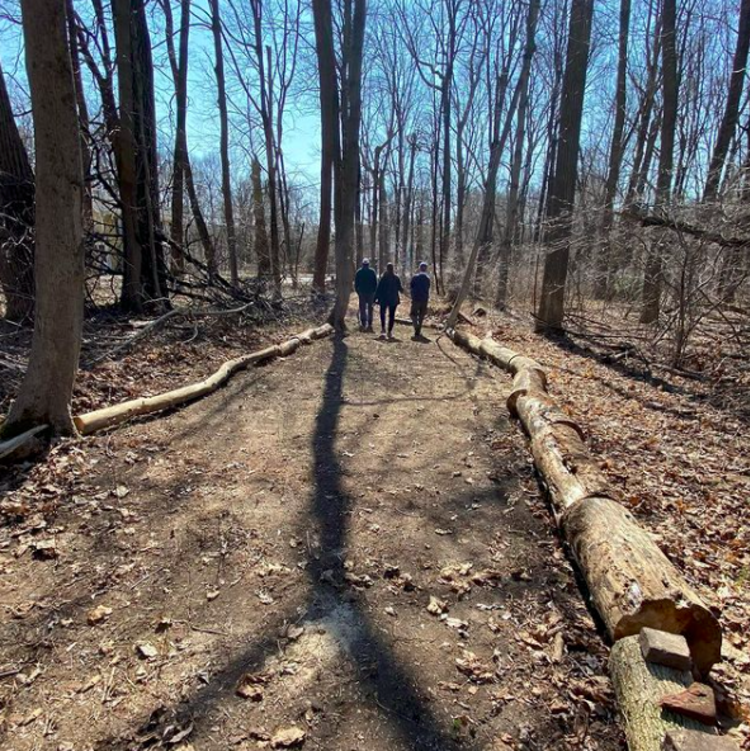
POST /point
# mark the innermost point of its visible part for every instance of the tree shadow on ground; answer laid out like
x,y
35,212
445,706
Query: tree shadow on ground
x,y
384,681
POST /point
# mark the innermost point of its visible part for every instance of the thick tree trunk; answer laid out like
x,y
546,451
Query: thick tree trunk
x,y
329,133
47,387
226,177
562,192
347,168
344,104
16,216
633,583
728,124
154,276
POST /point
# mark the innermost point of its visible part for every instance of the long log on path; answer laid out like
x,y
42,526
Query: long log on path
x,y
119,413
632,583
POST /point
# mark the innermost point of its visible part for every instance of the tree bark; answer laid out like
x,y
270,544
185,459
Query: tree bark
x,y
125,139
226,178
512,213
601,285
329,133
181,155
262,256
562,193
728,124
652,279
180,71
342,104
47,387
16,216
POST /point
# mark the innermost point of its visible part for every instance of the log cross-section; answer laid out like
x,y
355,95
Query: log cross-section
x,y
632,583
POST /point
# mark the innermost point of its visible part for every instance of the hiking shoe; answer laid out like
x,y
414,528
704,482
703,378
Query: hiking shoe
x,y
369,330
382,335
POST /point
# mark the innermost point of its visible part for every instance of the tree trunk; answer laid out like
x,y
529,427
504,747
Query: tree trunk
x,y
47,387
601,286
262,256
652,279
16,216
632,583
226,178
154,271
266,108
124,133
562,192
346,167
180,71
181,155
511,222
329,133
728,124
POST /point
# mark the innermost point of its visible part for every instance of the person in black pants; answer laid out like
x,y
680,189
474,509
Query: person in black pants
x,y
420,296
387,295
365,284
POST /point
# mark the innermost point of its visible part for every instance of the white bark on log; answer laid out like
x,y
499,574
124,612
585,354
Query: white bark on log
x,y
496,353
639,685
633,584
119,413
569,472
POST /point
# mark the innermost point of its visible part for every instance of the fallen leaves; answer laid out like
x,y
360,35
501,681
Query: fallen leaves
x,y
98,615
290,737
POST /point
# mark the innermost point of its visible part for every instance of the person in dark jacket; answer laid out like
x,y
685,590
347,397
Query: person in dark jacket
x,y
420,296
365,284
387,294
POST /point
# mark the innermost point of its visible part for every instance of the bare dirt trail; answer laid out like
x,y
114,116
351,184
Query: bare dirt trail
x,y
353,535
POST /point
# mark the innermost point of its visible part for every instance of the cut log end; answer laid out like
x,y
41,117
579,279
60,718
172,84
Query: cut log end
x,y
640,686
678,616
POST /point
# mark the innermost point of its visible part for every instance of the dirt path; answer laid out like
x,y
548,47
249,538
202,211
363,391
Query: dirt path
x,y
294,531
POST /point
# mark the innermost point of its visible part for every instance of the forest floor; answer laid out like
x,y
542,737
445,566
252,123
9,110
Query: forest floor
x,y
354,539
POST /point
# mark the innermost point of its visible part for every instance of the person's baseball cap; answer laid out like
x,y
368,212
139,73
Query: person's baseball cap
x,y
422,266
365,261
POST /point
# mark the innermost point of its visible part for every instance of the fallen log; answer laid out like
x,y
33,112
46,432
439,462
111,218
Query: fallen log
x,y
639,687
569,471
109,416
632,583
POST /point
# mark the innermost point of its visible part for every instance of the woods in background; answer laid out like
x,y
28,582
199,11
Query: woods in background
x,y
540,154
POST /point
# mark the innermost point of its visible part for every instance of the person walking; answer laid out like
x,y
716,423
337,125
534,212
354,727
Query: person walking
x,y
387,295
420,296
365,284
